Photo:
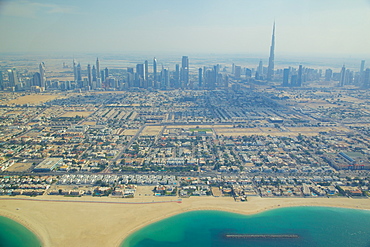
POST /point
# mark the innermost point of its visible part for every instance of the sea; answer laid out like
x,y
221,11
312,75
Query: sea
x,y
315,226
13,234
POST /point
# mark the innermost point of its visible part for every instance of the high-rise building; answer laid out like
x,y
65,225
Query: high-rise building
x,y
200,77
75,70
89,75
102,75
366,82
362,66
270,69
184,72
106,73
299,76
293,81
286,75
13,77
260,70
140,70
1,81
342,76
42,74
328,74
36,79
177,76
165,79
78,70
238,72
97,68
146,70
94,74
155,70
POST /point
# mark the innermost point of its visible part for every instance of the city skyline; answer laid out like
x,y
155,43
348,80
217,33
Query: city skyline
x,y
307,27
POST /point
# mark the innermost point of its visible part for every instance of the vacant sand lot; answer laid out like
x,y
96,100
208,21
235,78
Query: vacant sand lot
x,y
19,167
151,130
33,99
76,113
129,132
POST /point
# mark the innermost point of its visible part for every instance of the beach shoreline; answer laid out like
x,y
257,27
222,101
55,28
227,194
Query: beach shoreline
x,y
90,221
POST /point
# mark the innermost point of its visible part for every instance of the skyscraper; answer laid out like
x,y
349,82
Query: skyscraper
x,y
42,74
184,71
140,70
177,76
75,70
328,74
155,69
89,75
36,79
299,78
1,81
342,76
146,70
260,70
200,78
362,66
106,73
78,72
13,77
286,77
97,68
270,69
366,83
94,75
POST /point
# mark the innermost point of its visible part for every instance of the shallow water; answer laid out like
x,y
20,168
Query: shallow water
x,y
13,234
316,226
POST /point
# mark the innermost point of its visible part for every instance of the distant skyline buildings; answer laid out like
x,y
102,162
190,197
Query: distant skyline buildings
x,y
183,75
270,68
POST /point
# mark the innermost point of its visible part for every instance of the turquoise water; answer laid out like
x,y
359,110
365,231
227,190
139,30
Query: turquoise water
x,y
13,234
316,226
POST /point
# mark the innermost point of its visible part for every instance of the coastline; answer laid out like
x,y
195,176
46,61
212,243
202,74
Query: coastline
x,y
43,239
109,221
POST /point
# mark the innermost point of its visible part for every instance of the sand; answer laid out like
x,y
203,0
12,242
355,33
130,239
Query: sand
x,y
76,113
77,222
33,99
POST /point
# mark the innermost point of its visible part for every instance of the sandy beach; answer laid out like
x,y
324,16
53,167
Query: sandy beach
x,y
88,221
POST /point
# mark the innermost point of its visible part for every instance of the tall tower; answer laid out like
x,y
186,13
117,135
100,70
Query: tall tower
x,y
270,69
146,70
260,70
200,77
299,78
78,70
75,70
155,69
42,74
184,72
97,68
89,75
93,72
286,73
342,76
1,81
13,77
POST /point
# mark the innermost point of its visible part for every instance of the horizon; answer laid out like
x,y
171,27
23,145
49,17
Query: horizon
x,y
250,60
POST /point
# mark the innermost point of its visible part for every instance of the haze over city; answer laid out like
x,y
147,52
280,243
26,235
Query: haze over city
x,y
184,123
321,28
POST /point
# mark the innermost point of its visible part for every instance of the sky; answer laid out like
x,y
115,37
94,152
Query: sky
x,y
320,27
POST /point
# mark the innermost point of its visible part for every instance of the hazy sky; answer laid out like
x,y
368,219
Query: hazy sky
x,y
212,26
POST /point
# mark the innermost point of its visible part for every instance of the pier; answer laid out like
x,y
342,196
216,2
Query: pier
x,y
261,236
